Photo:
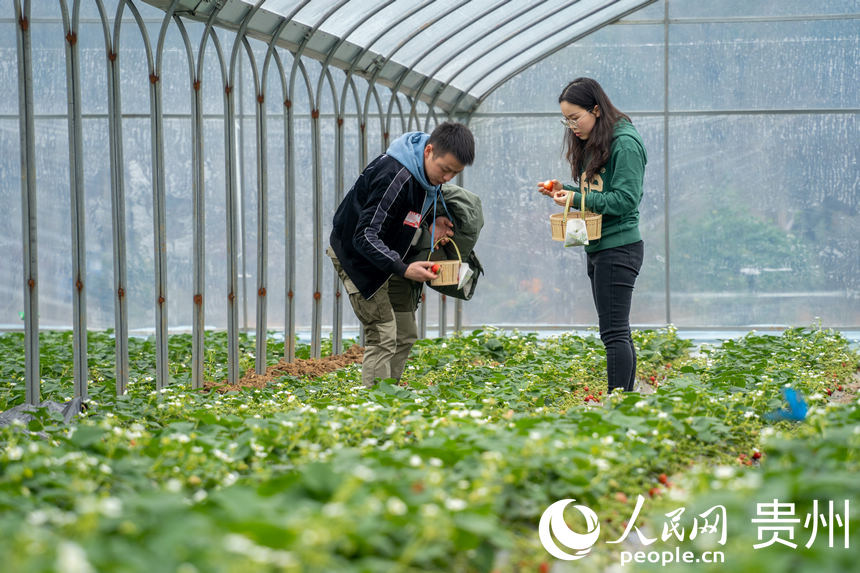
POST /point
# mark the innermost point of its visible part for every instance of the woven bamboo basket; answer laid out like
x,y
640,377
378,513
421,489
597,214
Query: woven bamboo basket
x,y
593,221
449,270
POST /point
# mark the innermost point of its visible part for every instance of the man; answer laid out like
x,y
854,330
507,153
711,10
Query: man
x,y
376,224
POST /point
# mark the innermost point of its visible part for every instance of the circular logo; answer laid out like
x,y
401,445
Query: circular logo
x,y
580,543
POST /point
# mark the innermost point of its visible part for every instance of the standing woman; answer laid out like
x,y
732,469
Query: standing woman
x,y
607,159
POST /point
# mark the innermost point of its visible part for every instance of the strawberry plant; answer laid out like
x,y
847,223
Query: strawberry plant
x,y
448,472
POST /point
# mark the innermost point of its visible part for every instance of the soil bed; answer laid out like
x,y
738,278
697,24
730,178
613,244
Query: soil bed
x,y
302,367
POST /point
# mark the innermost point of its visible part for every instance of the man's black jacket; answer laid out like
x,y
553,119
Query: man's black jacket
x,y
376,222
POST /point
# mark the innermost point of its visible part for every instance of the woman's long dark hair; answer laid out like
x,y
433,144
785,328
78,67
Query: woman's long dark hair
x,y
587,93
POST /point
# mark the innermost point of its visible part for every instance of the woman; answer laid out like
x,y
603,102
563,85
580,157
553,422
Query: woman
x,y
607,159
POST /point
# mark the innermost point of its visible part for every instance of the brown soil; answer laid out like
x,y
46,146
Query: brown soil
x,y
849,391
309,368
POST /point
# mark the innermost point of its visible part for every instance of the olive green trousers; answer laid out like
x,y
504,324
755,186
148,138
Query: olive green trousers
x,y
389,323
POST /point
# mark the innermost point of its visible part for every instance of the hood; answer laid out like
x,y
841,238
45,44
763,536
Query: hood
x,y
625,129
408,149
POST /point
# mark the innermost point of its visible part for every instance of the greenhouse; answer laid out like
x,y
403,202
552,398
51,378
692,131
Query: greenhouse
x,y
324,285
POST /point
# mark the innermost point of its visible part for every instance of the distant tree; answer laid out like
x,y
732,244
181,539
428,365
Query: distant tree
x,y
735,249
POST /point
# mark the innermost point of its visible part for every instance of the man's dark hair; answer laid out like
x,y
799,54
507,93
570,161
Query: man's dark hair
x,y
455,138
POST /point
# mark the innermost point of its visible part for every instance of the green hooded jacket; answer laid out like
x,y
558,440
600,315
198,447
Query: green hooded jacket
x,y
616,190
464,209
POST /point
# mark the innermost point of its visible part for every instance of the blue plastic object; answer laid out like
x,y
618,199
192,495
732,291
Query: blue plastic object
x,y
796,410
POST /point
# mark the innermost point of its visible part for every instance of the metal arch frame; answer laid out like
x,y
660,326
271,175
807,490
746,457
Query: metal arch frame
x,y
199,336
319,46
118,198
198,190
389,57
231,193
29,228
290,222
349,73
316,316
501,42
336,302
118,231
119,193
159,215
433,47
404,127
470,43
158,210
199,297
262,197
337,307
290,250
77,204
262,216
325,72
289,187
543,55
262,213
331,52
373,91
198,212
299,65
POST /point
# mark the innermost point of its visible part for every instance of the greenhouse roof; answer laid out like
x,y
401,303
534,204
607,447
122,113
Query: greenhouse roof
x,y
448,53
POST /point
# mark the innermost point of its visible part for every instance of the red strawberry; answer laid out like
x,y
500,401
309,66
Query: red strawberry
x,y
756,455
654,491
663,479
652,378
435,268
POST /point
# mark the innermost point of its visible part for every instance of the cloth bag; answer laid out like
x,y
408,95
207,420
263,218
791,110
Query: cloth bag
x,y
575,230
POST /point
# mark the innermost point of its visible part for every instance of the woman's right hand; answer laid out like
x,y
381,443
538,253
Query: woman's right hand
x,y
549,187
560,197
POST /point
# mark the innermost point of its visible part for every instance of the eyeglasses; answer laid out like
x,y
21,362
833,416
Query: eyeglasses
x,y
571,123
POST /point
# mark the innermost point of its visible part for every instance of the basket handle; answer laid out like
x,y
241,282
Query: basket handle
x,y
583,191
566,209
456,248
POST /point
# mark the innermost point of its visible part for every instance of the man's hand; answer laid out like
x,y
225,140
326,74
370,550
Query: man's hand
x,y
419,271
444,229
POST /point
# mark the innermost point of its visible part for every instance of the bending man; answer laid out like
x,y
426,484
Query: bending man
x,y
375,226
